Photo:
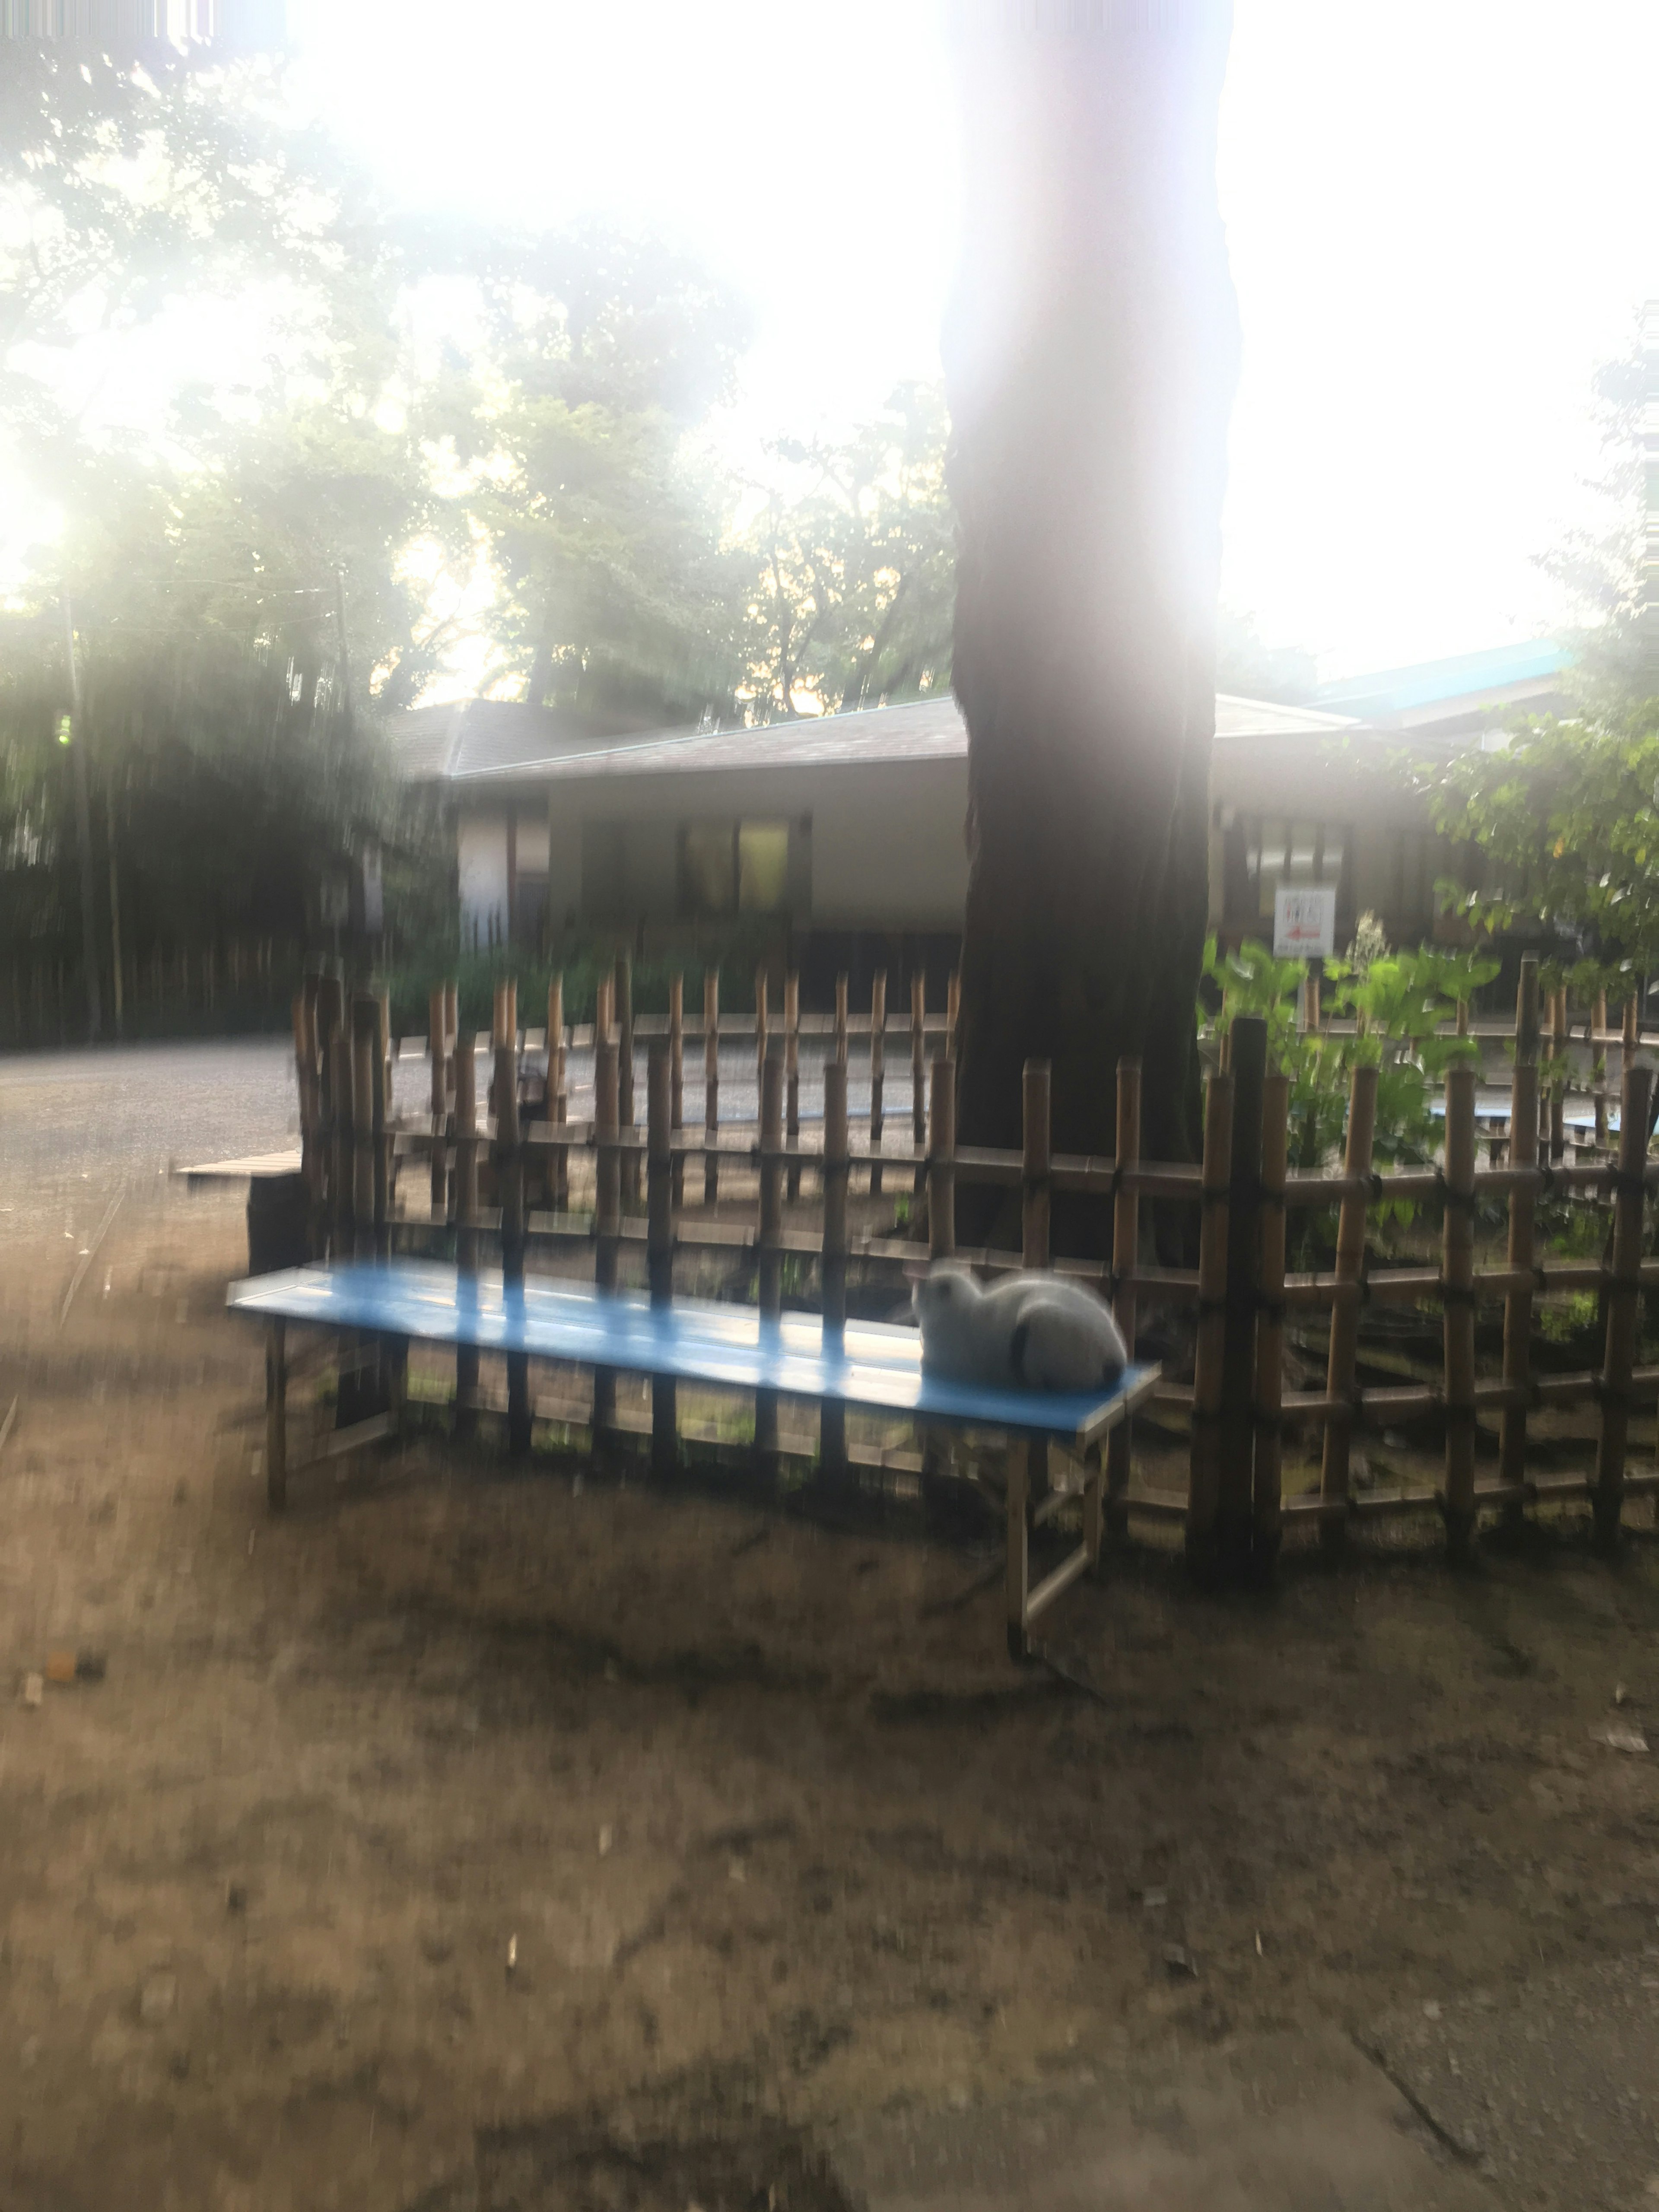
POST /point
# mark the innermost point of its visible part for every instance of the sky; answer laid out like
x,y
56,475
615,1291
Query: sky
x,y
1441,216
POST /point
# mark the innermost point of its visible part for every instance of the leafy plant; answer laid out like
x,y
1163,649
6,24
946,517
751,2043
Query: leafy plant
x,y
1398,1001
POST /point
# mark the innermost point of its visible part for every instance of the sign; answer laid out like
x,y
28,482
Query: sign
x,y
1304,921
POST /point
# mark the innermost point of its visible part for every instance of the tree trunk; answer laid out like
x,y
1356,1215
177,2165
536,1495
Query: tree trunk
x,y
1091,352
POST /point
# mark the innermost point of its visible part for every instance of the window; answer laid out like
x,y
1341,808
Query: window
x,y
734,867
1262,852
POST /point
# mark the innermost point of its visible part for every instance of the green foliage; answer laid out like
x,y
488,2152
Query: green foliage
x,y
1565,819
1397,1001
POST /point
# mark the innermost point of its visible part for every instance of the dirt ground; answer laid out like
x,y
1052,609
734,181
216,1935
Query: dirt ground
x,y
469,1811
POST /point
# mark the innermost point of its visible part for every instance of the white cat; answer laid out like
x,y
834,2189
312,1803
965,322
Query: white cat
x,y
1025,1332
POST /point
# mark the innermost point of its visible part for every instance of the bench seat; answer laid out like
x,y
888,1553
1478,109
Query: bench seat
x,y
870,1366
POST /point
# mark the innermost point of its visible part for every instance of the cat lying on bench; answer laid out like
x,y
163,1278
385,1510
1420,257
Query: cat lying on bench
x,y
1025,1332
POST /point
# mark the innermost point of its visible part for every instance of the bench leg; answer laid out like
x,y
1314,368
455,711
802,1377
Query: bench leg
x,y
276,1416
664,1427
517,1402
1096,1469
1117,1483
1019,1539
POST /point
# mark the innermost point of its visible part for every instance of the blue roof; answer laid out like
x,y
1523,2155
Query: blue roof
x,y
1431,683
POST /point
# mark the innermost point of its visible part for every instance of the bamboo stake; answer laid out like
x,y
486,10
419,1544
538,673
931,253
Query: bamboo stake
x,y
770,1225
1267,1479
1248,1067
363,1013
941,1169
1126,1260
1517,1306
1457,1280
878,1067
1634,1101
624,1008
1345,1313
509,1177
676,1081
1204,1481
557,1094
439,1180
711,1079
659,1240
1034,1175
607,1215
832,1415
1028,1462
467,1209
918,1073
792,1073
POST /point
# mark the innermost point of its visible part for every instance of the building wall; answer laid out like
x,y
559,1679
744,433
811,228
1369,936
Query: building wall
x,y
874,848
481,858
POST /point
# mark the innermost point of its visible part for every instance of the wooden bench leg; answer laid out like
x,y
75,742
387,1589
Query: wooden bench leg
x,y
276,1416
1020,1455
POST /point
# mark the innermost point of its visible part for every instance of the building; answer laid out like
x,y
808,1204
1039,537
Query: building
x,y
847,830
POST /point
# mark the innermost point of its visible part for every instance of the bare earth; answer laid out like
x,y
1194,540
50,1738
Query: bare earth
x,y
487,1839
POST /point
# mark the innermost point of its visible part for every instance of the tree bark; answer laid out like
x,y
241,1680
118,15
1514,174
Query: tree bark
x,y
1090,353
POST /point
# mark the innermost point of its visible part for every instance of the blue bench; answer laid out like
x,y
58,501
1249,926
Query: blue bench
x,y
869,1366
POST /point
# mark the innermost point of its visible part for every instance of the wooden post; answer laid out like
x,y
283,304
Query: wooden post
x,y
832,1417
1249,1068
1204,1481
451,1019
676,1081
659,1240
1517,1305
624,1015
1623,1294
1598,1030
953,1008
1558,1087
311,1117
277,1415
760,1022
877,1072
941,1166
509,1176
711,1081
841,1020
557,1096
607,1215
1125,1258
918,1073
792,1075
439,1185
1266,1482
466,1212
770,1290
1457,1290
1345,1308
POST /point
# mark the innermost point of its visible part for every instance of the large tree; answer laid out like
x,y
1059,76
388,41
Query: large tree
x,y
1091,357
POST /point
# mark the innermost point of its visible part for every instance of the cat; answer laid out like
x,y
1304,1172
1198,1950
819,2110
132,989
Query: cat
x,y
1025,1332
